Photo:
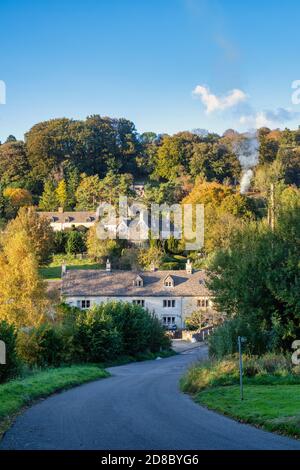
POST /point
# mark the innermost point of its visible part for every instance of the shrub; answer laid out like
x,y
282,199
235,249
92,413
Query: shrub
x,y
170,266
223,341
96,338
40,346
8,336
60,241
75,242
158,339
264,370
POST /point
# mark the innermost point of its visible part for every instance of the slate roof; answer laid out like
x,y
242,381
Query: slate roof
x,y
79,217
100,283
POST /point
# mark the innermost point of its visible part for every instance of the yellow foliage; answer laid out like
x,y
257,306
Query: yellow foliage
x,y
18,196
23,299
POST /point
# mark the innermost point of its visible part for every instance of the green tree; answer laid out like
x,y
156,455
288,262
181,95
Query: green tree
x,y
88,193
256,279
14,165
49,200
100,249
75,243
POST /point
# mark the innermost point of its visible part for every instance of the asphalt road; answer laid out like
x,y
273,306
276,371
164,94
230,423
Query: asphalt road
x,y
139,407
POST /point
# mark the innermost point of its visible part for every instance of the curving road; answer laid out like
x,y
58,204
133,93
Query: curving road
x,y
139,407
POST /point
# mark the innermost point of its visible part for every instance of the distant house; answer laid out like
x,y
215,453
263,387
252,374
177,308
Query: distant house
x,y
139,188
60,220
171,295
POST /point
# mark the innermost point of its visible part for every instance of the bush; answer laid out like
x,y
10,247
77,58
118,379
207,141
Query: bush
x,y
76,242
268,369
40,346
9,337
223,341
158,339
60,241
100,334
96,339
170,266
137,327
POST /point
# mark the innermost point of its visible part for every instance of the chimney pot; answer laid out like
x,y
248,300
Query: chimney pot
x,y
189,267
63,269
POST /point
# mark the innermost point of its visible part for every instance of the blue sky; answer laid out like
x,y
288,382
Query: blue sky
x,y
142,59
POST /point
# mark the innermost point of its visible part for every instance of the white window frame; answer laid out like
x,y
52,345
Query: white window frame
x,y
169,303
140,302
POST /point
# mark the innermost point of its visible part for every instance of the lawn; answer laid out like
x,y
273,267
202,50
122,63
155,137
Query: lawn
x,y
53,270
271,390
16,394
274,407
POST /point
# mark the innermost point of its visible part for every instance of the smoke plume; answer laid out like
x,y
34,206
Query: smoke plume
x,y
247,152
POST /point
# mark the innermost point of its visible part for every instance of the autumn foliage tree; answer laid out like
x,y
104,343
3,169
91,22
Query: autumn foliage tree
x,y
23,300
37,229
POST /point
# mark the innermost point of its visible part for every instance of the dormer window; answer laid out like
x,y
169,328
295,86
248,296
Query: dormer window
x,y
169,281
90,219
138,282
68,219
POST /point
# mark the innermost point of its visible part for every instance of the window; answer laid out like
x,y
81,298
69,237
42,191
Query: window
x,y
140,302
138,282
169,281
169,303
168,321
83,304
202,303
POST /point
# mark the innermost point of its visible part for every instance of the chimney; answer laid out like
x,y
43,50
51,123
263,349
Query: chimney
x,y
152,267
189,267
60,210
108,266
63,269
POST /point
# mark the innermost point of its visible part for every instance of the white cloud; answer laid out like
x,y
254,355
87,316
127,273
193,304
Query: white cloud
x,y
269,118
219,103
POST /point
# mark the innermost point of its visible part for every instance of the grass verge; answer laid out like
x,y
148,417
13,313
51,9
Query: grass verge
x,y
18,393
273,407
271,391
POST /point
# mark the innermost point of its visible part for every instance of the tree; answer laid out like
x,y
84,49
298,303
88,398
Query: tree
x,y
75,243
49,201
151,256
256,280
88,193
37,229
99,249
62,193
10,138
113,186
73,180
14,165
23,300
171,158
18,197
52,144
224,209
